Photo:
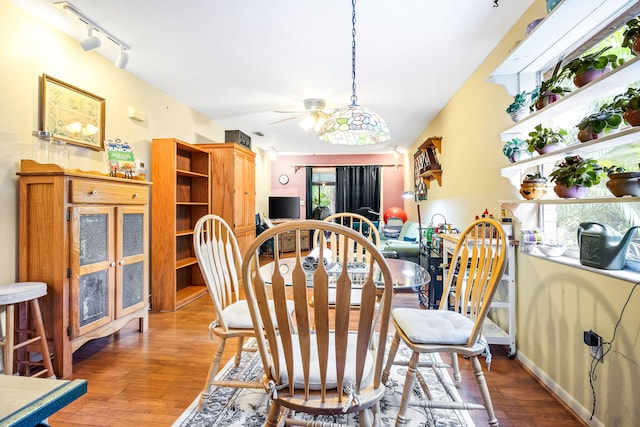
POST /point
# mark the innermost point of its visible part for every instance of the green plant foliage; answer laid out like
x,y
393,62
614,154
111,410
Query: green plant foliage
x,y
630,32
596,61
541,137
628,100
510,147
606,118
574,170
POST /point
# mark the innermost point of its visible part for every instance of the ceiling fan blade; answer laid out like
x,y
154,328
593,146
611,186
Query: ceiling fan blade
x,y
287,119
290,111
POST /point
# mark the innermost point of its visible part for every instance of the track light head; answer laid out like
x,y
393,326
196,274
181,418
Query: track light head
x,y
122,59
91,42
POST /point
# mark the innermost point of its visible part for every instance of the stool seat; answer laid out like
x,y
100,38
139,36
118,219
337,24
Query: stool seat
x,y
14,293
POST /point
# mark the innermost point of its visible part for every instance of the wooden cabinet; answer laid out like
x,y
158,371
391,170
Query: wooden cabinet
x,y
180,196
86,236
233,189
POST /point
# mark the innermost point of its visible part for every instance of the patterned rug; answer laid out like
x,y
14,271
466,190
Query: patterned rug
x,y
248,407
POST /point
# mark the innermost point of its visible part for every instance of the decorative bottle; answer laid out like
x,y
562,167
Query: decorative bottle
x,y
59,154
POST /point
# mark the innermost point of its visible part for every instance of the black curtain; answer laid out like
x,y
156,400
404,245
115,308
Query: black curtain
x,y
309,191
357,187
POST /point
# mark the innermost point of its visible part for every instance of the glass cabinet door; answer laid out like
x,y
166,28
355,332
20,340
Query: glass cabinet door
x,y
91,269
131,250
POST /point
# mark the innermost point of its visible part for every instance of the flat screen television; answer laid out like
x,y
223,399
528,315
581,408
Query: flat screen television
x,y
281,207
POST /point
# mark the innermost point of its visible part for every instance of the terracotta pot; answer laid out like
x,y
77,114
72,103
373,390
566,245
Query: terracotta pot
x,y
632,117
575,192
546,99
551,147
586,135
588,76
533,190
635,47
624,184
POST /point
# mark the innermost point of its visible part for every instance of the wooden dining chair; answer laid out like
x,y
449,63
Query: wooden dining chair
x,y
477,265
356,222
219,259
329,360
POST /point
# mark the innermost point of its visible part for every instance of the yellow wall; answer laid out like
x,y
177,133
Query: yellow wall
x,y
555,303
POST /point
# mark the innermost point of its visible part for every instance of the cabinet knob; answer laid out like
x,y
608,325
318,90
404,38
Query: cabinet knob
x,y
113,264
121,262
93,192
136,195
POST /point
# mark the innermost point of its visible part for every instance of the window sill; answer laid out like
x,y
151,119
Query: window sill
x,y
627,274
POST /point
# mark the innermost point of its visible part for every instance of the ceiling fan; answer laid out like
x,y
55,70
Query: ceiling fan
x,y
313,117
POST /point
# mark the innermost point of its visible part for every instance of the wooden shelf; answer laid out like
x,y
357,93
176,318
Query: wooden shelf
x,y
188,294
432,142
429,176
181,195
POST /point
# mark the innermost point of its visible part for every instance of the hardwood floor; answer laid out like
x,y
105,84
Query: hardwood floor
x,y
151,378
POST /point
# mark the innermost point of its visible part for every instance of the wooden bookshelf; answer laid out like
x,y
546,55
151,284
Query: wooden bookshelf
x,y
180,196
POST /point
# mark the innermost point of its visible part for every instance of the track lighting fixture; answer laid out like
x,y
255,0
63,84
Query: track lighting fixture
x,y
122,59
93,42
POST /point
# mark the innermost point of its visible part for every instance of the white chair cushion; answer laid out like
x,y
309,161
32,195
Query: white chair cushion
x,y
238,317
314,370
433,326
14,293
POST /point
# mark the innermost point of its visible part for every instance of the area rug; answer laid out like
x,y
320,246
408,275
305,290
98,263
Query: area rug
x,y
228,406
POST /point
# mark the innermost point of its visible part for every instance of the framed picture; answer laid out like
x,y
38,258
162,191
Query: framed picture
x,y
72,114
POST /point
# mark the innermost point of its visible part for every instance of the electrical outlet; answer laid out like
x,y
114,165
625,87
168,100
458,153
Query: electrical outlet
x,y
594,341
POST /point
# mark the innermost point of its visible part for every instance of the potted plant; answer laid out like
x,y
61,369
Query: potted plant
x,y
534,186
629,103
630,36
622,183
516,150
574,175
590,66
520,107
551,89
599,123
545,140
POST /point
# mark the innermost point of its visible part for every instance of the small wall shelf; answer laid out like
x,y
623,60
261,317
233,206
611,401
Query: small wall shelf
x,y
426,165
429,176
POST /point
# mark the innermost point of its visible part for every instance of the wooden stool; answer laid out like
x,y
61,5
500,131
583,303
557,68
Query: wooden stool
x,y
10,295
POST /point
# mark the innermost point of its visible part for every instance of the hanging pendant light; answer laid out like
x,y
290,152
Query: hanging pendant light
x,y
353,124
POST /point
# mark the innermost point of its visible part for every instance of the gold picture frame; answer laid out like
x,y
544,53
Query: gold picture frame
x,y
72,114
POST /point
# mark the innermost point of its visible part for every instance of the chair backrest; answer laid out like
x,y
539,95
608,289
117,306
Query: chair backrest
x,y
302,348
475,270
356,222
219,260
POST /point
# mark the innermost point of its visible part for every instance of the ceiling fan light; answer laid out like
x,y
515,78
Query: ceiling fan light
x,y
354,125
307,123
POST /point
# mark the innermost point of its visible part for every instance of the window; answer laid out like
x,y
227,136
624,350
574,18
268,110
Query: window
x,y
323,189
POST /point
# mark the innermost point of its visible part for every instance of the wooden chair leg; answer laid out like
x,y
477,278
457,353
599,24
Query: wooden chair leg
x,y
213,370
484,390
239,351
457,378
408,386
393,349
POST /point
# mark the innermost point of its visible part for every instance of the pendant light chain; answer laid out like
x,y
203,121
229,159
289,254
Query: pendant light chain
x,y
354,98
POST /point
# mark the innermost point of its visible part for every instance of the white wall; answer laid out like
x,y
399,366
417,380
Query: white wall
x,y
555,303
30,48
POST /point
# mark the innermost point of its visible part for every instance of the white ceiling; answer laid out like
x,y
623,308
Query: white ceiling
x,y
237,61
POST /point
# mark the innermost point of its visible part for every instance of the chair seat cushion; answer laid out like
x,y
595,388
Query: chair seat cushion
x,y
433,326
314,370
238,316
